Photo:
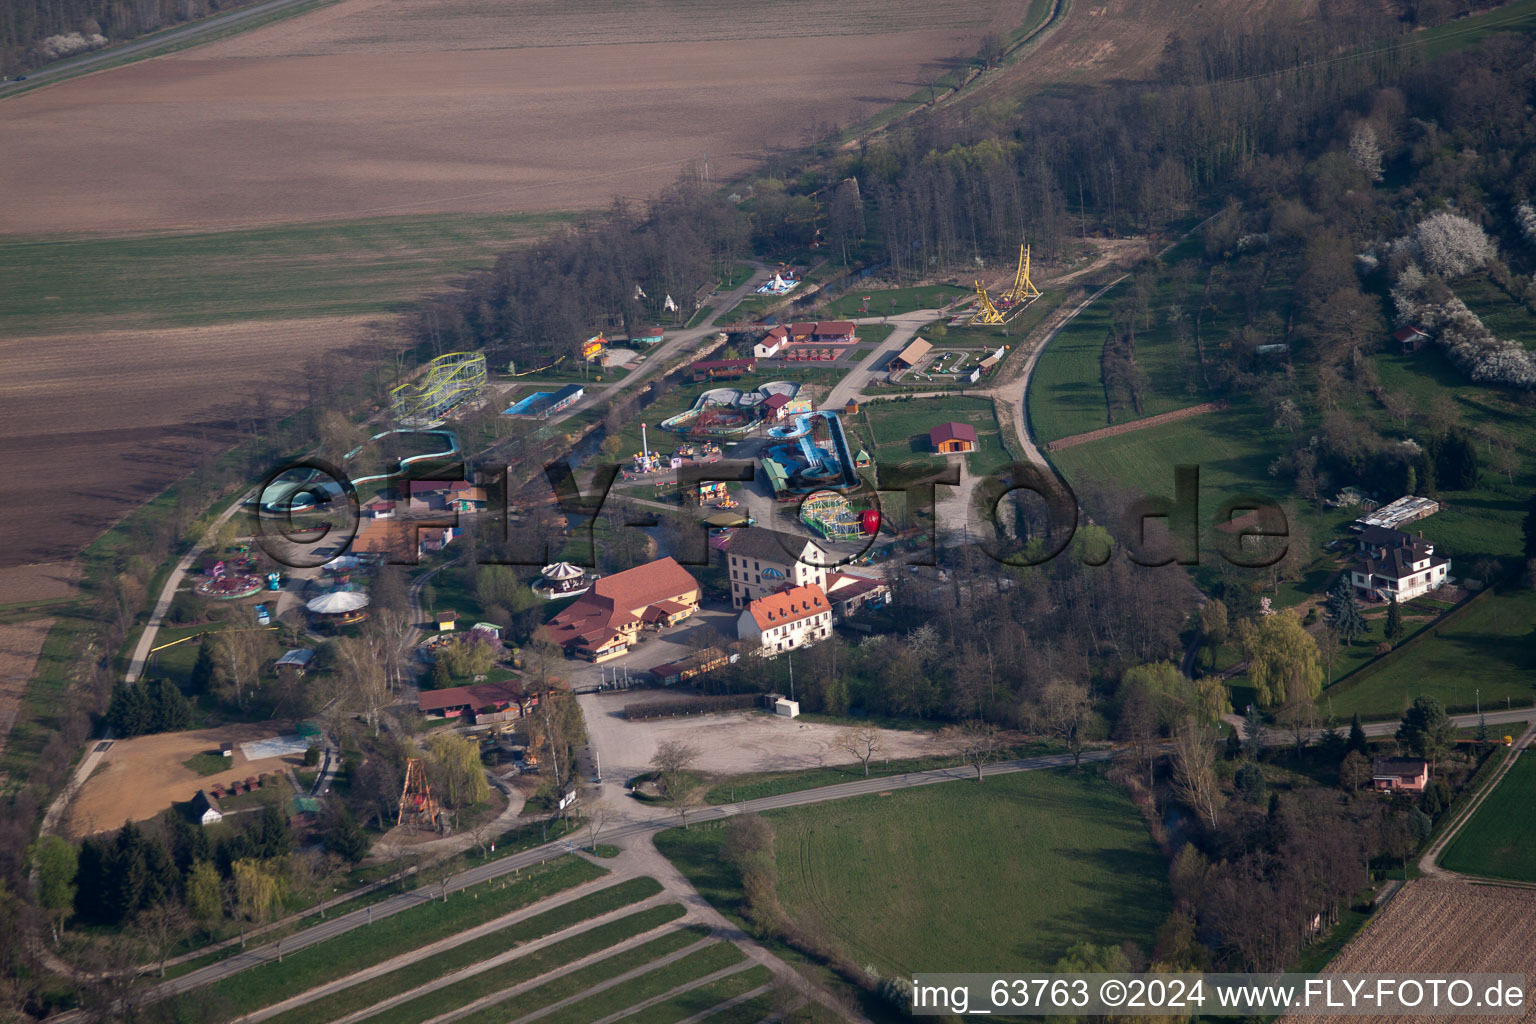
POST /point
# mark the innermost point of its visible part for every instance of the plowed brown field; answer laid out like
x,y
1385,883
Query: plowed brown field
x,y
95,424
1435,928
372,108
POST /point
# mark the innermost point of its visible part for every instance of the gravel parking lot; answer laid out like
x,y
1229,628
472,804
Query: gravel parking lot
x,y
728,744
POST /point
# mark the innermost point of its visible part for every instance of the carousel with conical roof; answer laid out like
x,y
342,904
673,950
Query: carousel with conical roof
x,y
563,579
339,608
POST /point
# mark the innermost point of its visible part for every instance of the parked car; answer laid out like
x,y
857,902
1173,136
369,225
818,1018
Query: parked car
x,y
263,616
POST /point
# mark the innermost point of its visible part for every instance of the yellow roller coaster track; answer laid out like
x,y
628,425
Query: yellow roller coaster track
x,y
1023,289
986,312
449,380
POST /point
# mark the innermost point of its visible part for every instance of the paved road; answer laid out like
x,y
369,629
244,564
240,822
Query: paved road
x,y
1427,863
905,326
147,47
495,869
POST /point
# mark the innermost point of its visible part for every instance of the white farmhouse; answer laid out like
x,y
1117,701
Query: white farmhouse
x,y
1396,565
784,621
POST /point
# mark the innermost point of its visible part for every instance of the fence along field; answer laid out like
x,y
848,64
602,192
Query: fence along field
x,y
443,124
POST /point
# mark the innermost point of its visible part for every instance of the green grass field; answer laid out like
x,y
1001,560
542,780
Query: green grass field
x,y
1500,840
1491,649
1012,870
1519,16
698,1000
657,982
899,430
336,958
1501,314
360,997
333,268
579,981
891,301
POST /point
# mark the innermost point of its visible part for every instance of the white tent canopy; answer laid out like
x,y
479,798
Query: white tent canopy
x,y
338,602
563,571
341,563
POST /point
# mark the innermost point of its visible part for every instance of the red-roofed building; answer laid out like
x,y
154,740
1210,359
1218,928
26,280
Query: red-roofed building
x,y
948,438
1410,338
793,617
773,406
481,697
721,369
604,621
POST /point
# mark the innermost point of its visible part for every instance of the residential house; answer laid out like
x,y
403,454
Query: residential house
x,y
1409,774
949,438
1396,565
205,808
606,620
761,561
772,343
787,619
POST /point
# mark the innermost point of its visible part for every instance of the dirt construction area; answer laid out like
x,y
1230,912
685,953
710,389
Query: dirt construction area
x,y
1434,929
728,744
139,778
371,108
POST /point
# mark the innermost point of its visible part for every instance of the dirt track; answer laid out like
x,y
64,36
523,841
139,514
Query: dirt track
x,y
97,423
1141,424
139,778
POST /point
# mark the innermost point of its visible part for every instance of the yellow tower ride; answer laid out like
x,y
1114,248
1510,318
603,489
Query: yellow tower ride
x,y
1023,289
986,312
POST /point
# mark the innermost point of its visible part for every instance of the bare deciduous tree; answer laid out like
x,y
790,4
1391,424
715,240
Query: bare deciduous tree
x,y
975,743
672,764
1194,770
863,742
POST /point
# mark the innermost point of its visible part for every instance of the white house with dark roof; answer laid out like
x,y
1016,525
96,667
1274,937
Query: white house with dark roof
x,y
760,561
1396,565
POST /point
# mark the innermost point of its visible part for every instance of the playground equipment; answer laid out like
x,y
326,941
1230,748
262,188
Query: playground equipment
x,y
228,587
816,457
418,807
449,380
830,515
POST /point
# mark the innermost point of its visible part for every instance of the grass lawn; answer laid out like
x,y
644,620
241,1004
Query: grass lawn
x,y
899,430
1490,649
654,983
295,270
893,301
1230,447
209,764
581,980
697,1000
1012,870
390,936
761,784
1500,840
526,968
359,997
1501,314
1461,33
